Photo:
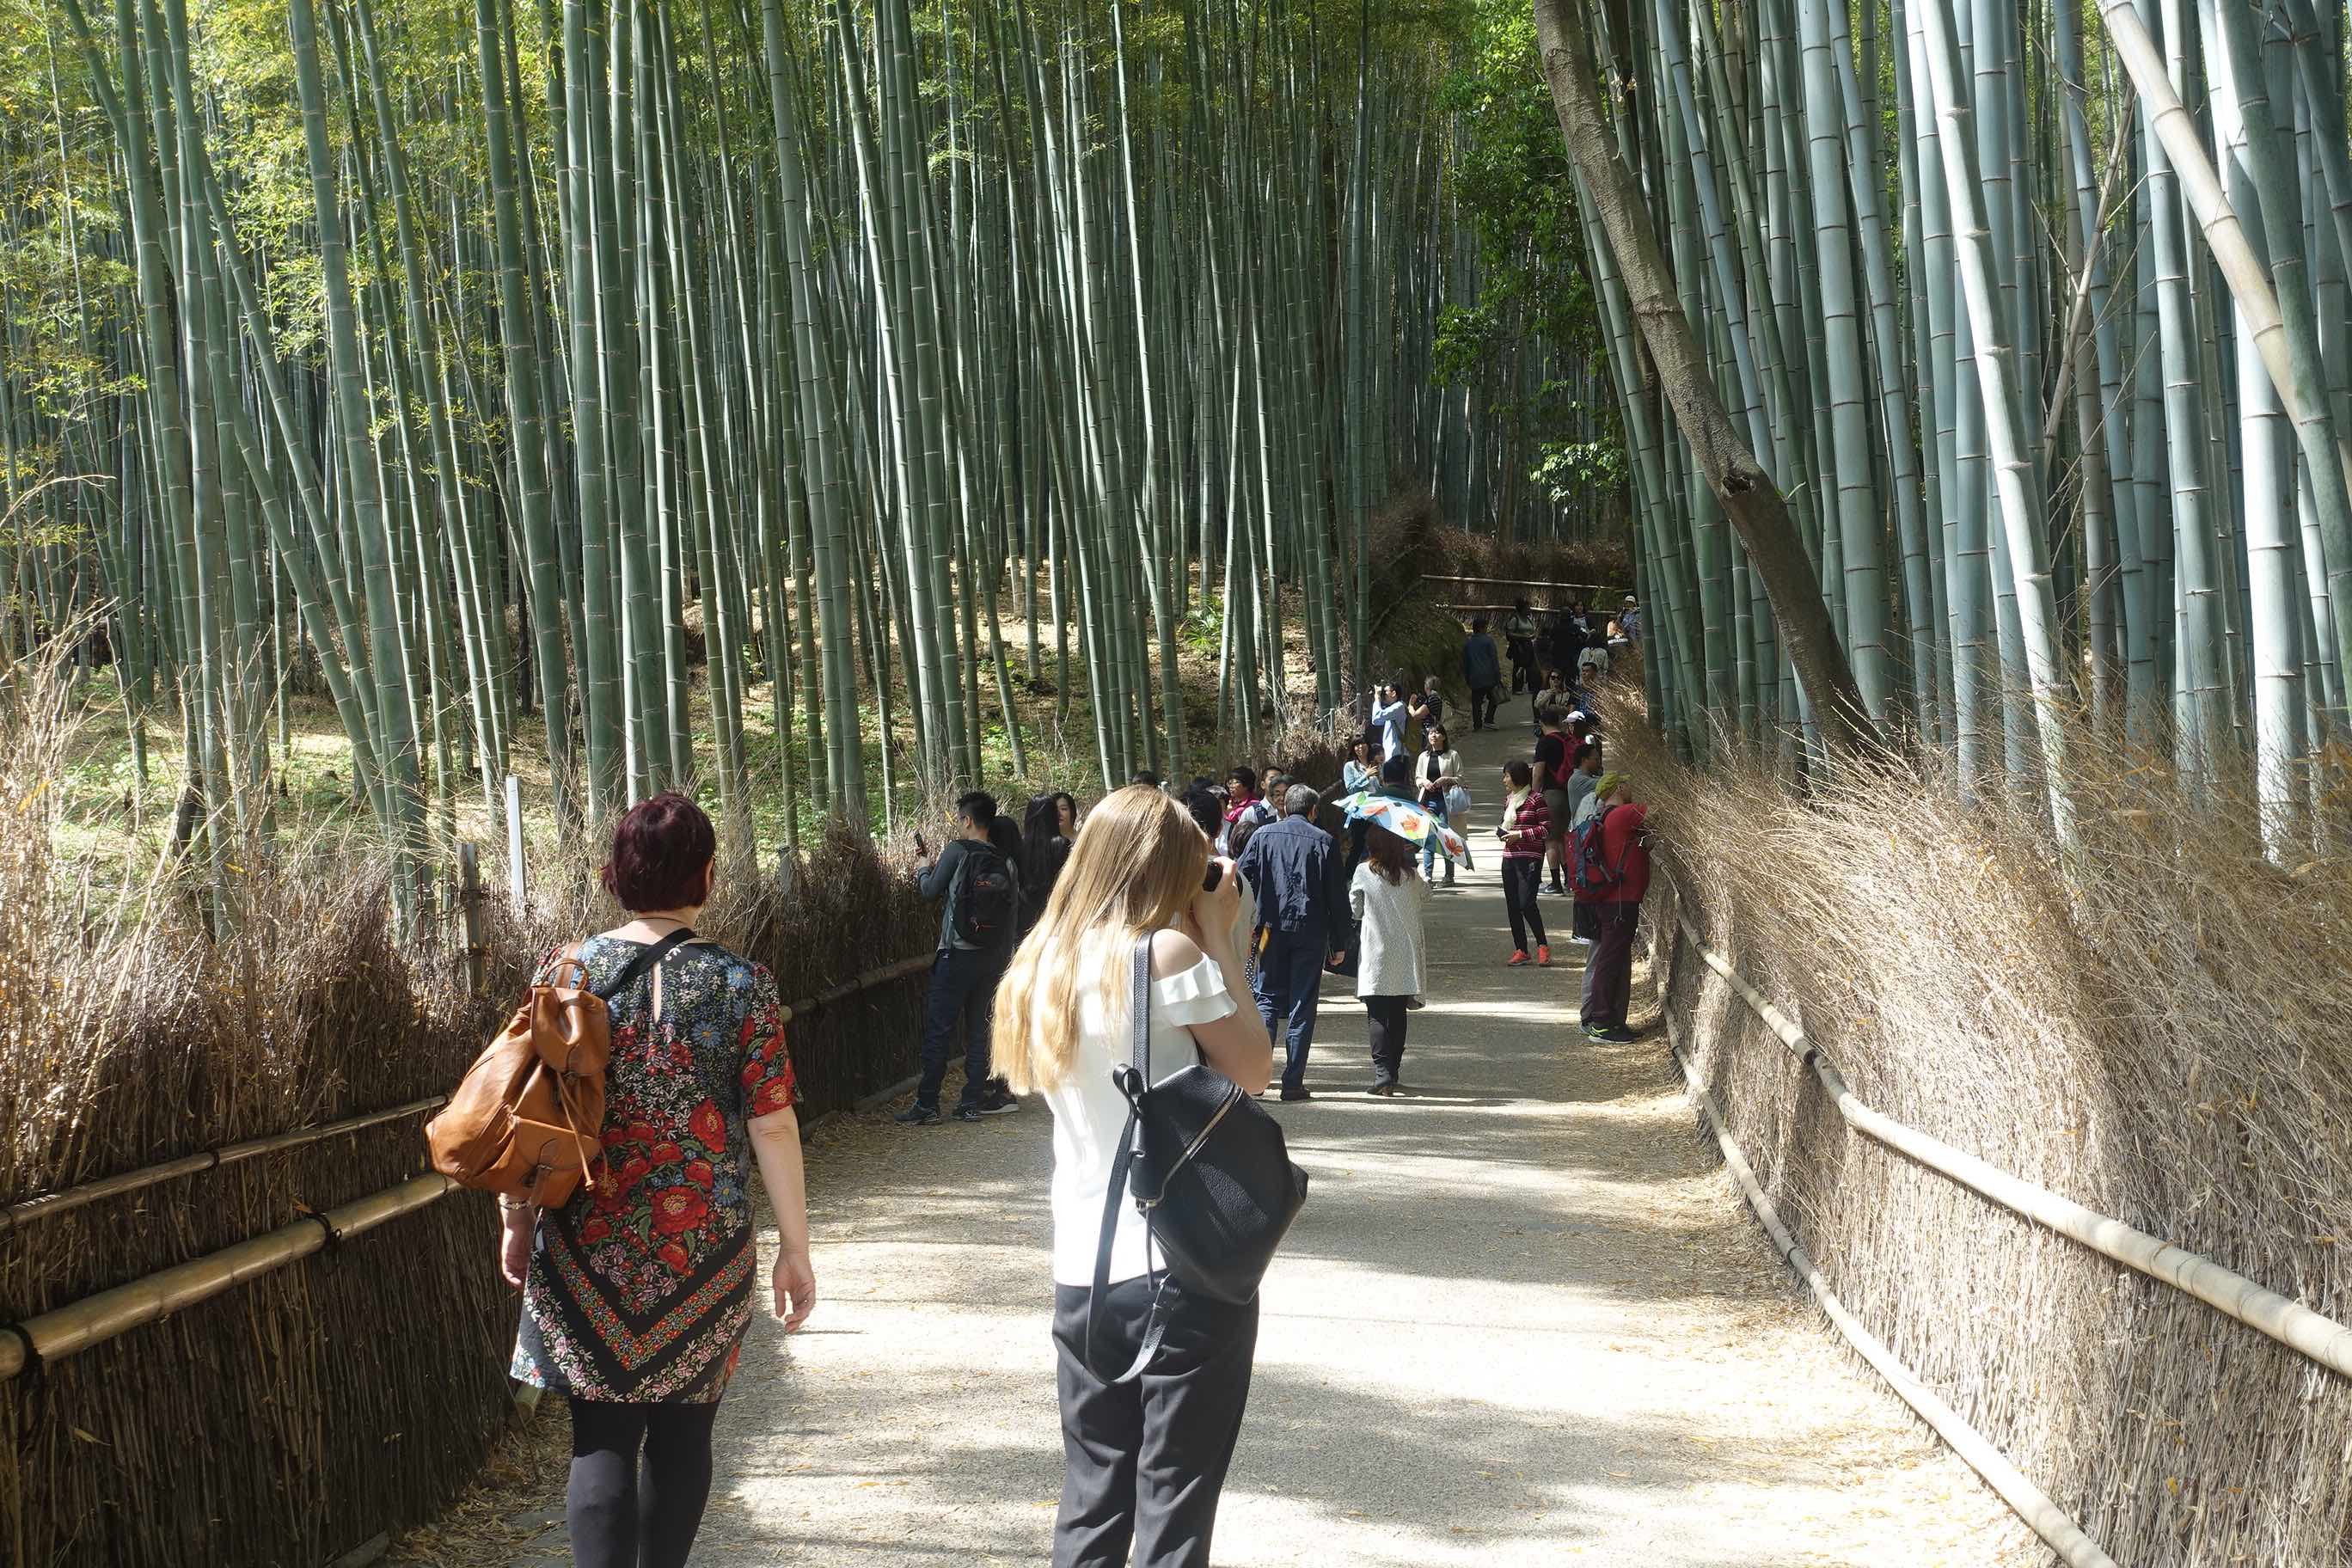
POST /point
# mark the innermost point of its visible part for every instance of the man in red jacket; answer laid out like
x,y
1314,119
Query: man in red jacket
x,y
1624,877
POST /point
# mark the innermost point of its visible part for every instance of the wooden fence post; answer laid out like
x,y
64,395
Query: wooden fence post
x,y
515,886
469,910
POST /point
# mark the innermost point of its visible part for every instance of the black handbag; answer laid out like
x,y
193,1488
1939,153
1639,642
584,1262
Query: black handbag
x,y
1210,1175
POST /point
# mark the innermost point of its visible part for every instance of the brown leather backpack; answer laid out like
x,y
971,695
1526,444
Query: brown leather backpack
x,y
527,1120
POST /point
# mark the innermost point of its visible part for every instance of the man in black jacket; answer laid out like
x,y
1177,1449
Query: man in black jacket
x,y
979,894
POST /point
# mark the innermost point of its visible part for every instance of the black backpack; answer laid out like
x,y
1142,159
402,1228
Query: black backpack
x,y
988,900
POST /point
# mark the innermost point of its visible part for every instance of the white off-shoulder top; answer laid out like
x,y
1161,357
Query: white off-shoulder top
x,y
1089,1113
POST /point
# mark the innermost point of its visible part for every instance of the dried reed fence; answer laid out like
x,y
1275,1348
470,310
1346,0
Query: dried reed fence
x,y
300,1414
2170,1043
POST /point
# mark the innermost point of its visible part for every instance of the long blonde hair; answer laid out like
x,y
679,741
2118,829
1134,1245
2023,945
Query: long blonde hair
x,y
1135,869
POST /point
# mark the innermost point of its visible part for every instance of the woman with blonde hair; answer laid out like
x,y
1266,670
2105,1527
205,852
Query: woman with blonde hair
x,y
1146,1459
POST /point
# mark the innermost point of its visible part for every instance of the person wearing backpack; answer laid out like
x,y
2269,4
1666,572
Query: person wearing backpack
x,y
1146,1454
978,891
638,1289
1610,861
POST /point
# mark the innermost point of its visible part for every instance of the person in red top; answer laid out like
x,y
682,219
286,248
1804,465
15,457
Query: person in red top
x,y
1616,908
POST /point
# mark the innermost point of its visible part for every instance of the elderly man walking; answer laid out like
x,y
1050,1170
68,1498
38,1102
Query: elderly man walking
x,y
1294,868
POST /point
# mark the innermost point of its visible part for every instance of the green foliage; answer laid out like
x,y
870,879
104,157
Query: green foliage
x,y
1511,176
1512,182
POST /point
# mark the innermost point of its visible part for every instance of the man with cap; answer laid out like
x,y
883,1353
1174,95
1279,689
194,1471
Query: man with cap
x,y
1613,899
1629,619
1294,868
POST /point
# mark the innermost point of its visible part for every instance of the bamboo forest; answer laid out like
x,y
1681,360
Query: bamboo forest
x,y
1770,582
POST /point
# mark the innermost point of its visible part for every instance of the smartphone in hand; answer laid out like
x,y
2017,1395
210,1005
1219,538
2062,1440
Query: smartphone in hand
x,y
922,850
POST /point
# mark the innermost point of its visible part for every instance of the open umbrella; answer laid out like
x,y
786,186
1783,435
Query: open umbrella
x,y
1406,820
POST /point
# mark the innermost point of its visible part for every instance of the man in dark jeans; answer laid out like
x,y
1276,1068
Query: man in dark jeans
x,y
1481,672
1625,860
968,965
1294,867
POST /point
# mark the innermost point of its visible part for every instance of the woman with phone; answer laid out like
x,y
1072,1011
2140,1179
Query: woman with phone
x,y
1145,1462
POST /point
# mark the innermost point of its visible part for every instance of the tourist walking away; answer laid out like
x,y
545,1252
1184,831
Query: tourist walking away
x,y
1437,786
1613,873
1045,850
979,893
1387,899
1292,864
1361,771
1388,719
1429,708
637,1292
1567,639
1553,753
1524,831
1396,783
1144,1461
1481,672
1520,638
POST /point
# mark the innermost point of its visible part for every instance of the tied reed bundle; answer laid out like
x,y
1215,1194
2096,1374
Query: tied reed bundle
x,y
356,1391
2163,1038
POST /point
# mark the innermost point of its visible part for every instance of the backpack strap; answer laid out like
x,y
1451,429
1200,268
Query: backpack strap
x,y
641,963
1134,1082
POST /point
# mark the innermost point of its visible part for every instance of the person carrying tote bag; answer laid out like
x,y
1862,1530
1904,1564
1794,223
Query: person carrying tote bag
x,y
1153,1362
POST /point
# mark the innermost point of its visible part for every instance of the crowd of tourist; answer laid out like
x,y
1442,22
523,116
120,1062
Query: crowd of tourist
x,y
1219,906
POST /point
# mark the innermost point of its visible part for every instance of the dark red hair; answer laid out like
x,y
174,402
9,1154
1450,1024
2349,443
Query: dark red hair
x,y
660,849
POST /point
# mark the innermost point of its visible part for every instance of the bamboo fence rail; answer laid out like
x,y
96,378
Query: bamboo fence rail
x,y
79,1325
2311,1334
2030,1502
69,1198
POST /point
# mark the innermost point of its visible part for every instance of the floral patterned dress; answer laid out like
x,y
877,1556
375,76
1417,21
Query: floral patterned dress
x,y
641,1287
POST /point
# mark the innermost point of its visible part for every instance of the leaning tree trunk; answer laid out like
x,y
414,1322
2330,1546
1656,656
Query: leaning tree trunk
x,y
1745,491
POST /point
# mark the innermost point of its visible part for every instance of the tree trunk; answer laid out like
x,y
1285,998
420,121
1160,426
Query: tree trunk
x,y
1746,492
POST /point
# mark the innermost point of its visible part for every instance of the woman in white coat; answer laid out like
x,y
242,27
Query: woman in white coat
x,y
1388,896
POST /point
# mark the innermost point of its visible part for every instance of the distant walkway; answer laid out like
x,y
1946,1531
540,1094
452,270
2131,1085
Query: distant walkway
x,y
1524,1320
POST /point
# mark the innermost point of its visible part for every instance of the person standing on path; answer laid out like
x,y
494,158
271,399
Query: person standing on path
x,y
980,912
1293,866
1361,771
636,1292
1481,672
1437,784
1621,878
1387,898
1553,753
1583,772
1387,720
1045,850
1524,831
1429,708
1519,637
1145,1462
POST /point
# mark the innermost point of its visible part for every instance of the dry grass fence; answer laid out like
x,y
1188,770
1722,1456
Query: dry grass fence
x,y
298,1415
2169,1042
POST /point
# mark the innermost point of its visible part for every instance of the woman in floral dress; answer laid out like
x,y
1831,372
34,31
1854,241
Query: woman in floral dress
x,y
637,1292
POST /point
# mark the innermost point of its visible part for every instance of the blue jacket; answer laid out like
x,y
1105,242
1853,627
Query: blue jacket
x,y
1294,868
1482,667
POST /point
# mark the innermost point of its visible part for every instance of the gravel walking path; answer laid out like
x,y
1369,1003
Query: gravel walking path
x,y
1524,1320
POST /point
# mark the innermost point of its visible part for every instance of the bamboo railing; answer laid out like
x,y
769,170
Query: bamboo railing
x,y
2028,1502
2311,1334
93,1319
